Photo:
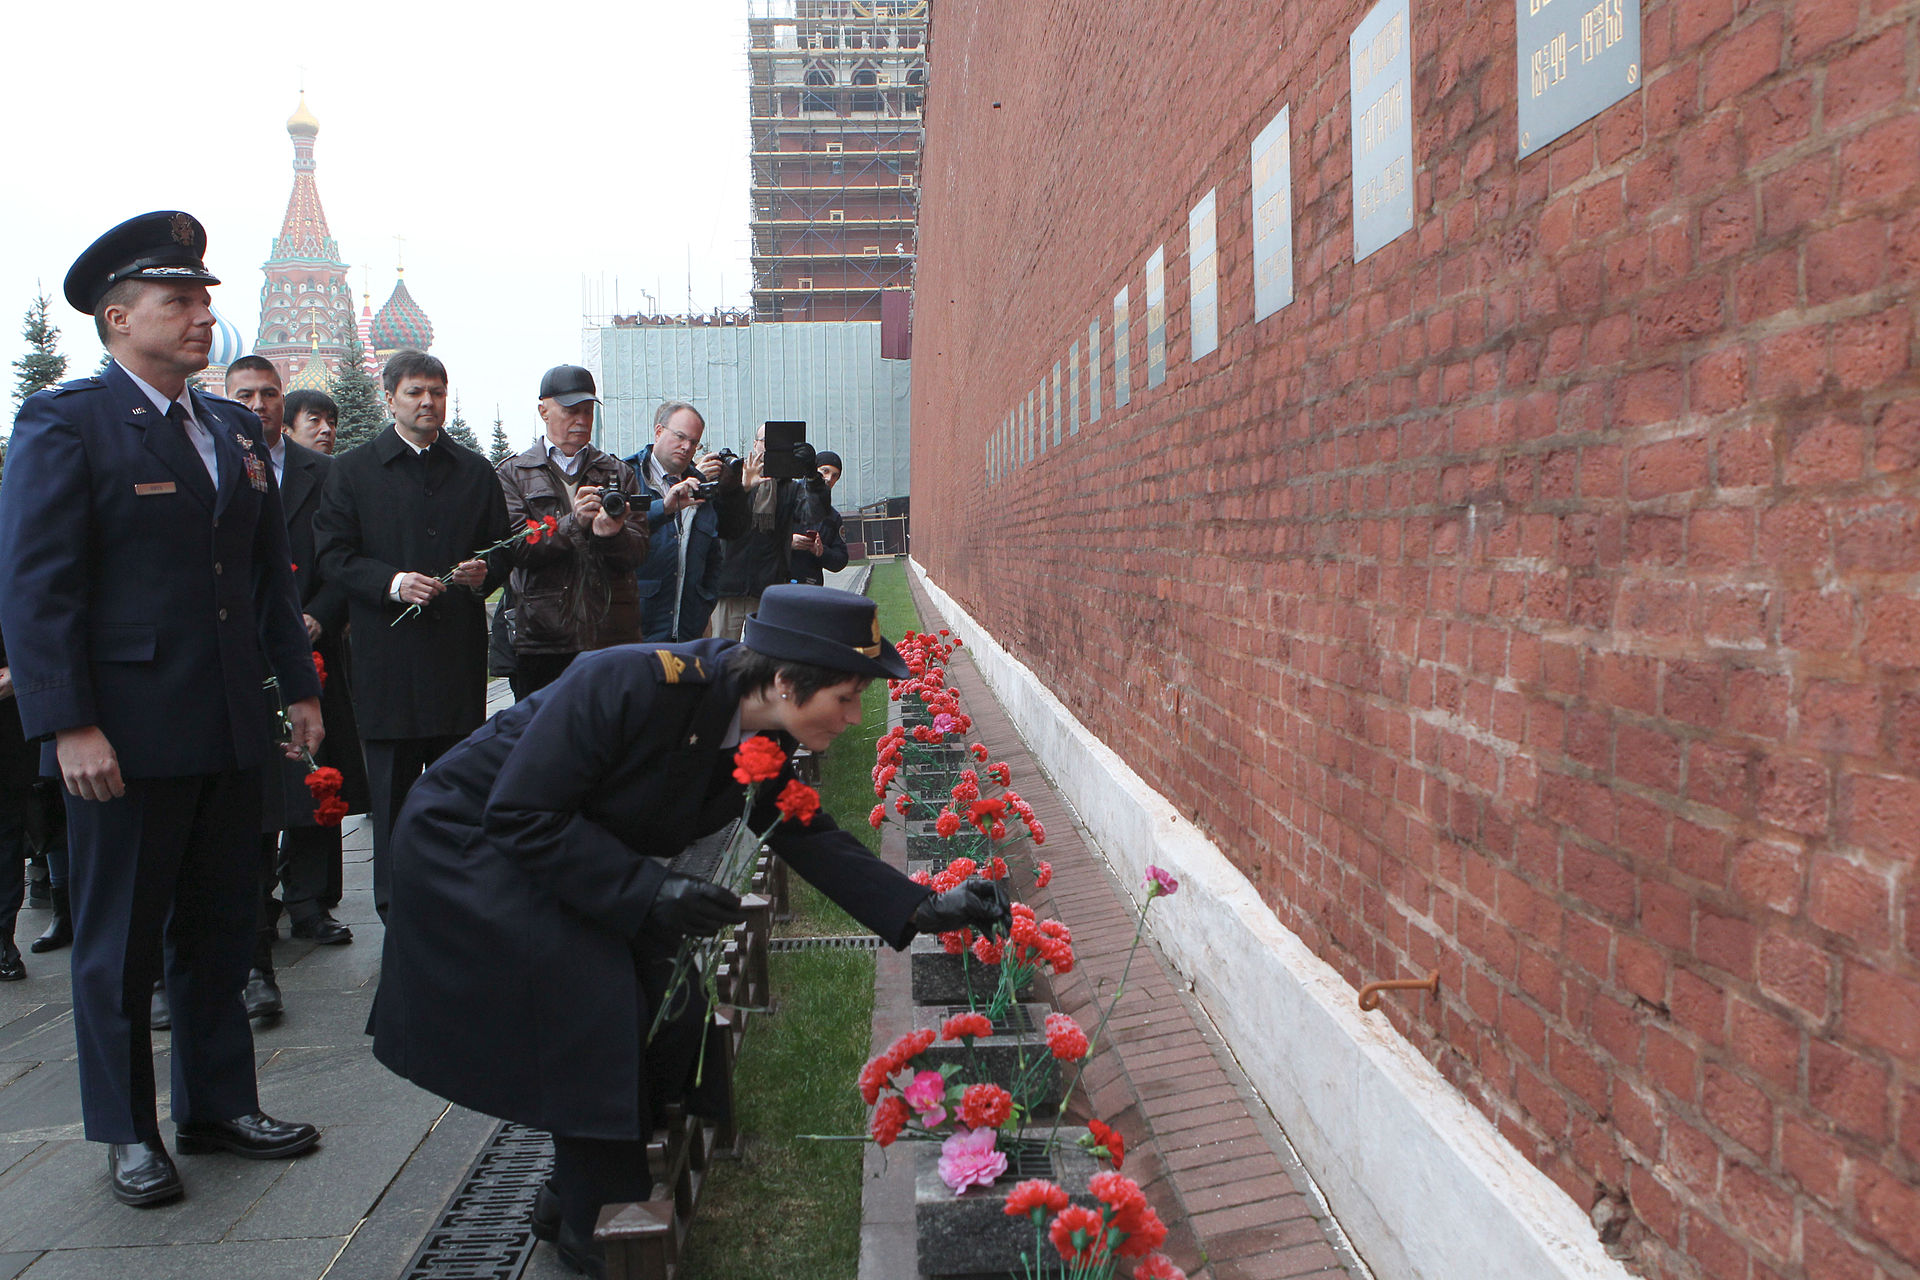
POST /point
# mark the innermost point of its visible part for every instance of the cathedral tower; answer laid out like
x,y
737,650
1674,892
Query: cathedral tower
x,y
306,304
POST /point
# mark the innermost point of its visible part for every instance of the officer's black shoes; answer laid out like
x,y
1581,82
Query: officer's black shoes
x,y
60,933
143,1173
11,968
545,1218
262,996
588,1257
322,929
160,1016
257,1136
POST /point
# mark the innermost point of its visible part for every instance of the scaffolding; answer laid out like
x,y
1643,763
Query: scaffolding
x,y
836,88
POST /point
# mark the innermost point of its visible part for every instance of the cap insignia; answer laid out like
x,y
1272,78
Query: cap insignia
x,y
183,229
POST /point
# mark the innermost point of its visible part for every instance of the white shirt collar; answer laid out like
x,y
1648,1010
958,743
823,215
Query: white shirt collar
x,y
160,402
417,448
570,466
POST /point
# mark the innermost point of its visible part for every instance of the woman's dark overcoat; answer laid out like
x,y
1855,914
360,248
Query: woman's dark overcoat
x,y
524,864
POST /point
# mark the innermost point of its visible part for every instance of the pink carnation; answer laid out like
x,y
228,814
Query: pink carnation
x,y
968,1159
927,1095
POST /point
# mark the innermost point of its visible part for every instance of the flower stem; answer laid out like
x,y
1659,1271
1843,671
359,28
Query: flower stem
x,y
1093,1041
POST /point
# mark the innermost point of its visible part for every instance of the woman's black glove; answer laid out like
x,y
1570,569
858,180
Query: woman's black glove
x,y
981,904
689,905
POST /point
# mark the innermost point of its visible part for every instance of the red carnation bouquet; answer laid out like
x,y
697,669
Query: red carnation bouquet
x,y
757,761
533,532
324,782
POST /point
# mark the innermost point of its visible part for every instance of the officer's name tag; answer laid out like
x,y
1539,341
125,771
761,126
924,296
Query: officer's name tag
x,y
148,490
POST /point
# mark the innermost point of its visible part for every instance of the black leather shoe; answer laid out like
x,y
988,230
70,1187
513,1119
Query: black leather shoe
x,y
160,1017
262,996
588,1257
258,1137
323,930
11,969
143,1173
545,1218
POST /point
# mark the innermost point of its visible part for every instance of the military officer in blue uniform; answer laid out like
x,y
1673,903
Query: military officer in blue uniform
x,y
535,917
146,596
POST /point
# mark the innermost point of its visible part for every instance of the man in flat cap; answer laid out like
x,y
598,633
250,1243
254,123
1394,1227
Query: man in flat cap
x,y
146,597
573,592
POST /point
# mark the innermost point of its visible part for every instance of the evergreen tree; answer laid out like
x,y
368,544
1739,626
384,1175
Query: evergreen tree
x,y
363,410
42,366
457,428
501,450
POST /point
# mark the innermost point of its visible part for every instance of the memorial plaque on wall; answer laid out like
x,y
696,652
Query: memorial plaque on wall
x,y
1577,58
1381,70
1056,401
1203,278
1073,388
1093,371
1122,352
1157,317
1273,217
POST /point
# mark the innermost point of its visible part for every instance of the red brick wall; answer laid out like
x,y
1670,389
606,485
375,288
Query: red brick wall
x,y
1534,600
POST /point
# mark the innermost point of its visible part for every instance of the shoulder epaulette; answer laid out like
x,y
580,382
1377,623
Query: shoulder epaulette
x,y
675,669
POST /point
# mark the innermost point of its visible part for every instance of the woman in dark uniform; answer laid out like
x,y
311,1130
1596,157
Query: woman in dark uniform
x,y
534,915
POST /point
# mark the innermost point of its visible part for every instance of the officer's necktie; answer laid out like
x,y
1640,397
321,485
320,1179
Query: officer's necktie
x,y
177,415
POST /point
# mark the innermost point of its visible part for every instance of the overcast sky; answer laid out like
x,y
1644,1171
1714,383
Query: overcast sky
x,y
517,149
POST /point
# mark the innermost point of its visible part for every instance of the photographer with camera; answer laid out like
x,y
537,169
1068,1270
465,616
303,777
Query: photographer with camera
x,y
573,592
818,547
763,556
692,508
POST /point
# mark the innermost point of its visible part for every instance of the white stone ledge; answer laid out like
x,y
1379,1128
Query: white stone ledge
x,y
1423,1184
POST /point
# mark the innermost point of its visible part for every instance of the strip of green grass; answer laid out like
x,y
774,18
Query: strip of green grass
x,y
846,776
791,1208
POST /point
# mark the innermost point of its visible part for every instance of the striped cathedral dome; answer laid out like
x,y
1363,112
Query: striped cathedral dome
x,y
401,322
228,345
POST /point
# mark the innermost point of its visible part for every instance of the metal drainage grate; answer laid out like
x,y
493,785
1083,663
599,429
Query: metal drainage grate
x,y
1028,1158
1017,1021
838,942
483,1233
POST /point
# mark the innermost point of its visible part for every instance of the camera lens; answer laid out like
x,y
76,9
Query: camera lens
x,y
613,502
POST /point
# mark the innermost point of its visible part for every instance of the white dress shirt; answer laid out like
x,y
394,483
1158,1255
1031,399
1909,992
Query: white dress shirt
x,y
197,433
278,452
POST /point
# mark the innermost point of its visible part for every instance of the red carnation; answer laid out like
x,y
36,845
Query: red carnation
x,y
798,802
889,1118
979,750
1001,773
878,816
320,669
1034,1198
757,760
1042,875
1158,1267
1105,1135
947,825
873,1078
966,1025
1077,1233
908,1047
985,1106
955,941
325,781
1065,1040
987,951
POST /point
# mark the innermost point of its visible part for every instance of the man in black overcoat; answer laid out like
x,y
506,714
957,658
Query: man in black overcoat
x,y
146,598
397,513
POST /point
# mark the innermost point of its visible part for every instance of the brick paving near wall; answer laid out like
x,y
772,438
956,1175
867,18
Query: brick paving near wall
x,y
1209,1155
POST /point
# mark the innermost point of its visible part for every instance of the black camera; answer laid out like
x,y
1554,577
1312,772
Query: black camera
x,y
730,462
615,503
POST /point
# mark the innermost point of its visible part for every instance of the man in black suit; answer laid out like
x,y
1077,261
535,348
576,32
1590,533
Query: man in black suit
x,y
145,596
399,525
310,860
299,473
